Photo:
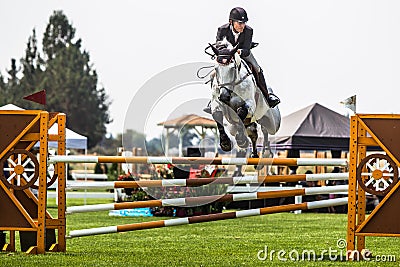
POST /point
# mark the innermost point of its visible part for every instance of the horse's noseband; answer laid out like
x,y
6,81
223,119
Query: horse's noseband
x,y
224,59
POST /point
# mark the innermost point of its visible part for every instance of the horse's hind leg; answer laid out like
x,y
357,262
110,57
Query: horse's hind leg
x,y
252,132
266,149
224,141
238,171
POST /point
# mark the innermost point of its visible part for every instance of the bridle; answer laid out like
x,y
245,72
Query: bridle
x,y
232,83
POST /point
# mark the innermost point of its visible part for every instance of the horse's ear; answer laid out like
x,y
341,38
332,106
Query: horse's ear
x,y
235,49
214,49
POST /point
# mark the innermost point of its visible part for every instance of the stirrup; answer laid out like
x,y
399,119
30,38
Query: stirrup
x,y
208,108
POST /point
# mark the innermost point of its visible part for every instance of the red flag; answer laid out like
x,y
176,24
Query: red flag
x,y
38,97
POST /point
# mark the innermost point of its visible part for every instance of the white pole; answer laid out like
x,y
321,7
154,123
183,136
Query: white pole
x,y
298,199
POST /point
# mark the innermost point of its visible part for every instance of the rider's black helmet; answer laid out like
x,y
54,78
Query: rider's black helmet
x,y
238,14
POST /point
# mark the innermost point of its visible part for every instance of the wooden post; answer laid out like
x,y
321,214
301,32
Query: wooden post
x,y
42,201
352,204
60,167
361,203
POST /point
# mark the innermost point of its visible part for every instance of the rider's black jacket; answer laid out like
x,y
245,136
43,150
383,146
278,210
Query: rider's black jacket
x,y
244,40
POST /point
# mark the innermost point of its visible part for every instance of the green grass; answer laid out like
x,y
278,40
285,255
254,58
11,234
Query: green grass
x,y
223,243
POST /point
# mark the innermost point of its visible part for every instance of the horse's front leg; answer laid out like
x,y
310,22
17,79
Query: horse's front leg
x,y
224,140
241,137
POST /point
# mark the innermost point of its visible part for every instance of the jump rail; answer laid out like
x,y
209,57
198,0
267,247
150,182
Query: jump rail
x,y
208,218
200,160
205,181
193,201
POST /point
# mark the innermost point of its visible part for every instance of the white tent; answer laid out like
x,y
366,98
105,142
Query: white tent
x,y
74,140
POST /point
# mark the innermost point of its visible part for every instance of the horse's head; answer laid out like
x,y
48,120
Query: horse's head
x,y
227,67
224,52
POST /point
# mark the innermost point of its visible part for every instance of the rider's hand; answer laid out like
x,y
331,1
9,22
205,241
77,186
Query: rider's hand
x,y
239,51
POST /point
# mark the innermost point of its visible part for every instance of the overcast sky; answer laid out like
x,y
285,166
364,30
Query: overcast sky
x,y
312,51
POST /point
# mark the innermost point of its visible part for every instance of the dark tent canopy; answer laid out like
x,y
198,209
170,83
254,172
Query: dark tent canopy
x,y
313,128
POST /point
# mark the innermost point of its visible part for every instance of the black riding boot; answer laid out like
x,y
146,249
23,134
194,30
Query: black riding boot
x,y
271,98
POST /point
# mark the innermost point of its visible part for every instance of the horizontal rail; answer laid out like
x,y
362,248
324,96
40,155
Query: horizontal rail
x,y
200,160
197,201
204,181
207,218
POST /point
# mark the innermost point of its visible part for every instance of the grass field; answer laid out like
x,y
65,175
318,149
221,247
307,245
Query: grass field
x,y
252,241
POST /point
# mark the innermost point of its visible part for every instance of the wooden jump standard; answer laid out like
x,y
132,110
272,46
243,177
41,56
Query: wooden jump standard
x,y
195,201
208,218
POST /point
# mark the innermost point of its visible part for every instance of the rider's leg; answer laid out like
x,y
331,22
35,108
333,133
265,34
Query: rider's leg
x,y
271,98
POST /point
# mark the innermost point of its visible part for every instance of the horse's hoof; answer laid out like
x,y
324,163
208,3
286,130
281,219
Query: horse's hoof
x,y
225,143
254,155
268,154
242,141
226,147
243,144
237,174
258,167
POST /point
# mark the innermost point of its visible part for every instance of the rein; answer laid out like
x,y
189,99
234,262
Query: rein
x,y
234,82
208,73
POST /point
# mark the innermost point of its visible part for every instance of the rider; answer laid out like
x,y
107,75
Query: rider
x,y
237,32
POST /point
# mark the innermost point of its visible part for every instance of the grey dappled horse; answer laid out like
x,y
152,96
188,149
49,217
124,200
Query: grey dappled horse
x,y
238,104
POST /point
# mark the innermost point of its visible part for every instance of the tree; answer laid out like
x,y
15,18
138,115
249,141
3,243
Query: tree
x,y
65,71
189,138
154,147
32,71
70,81
108,146
59,34
68,76
132,138
9,86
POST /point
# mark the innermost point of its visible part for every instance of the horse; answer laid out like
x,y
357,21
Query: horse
x,y
238,102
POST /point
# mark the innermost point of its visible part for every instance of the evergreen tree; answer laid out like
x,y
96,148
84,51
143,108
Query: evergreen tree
x,y
132,138
9,86
58,35
66,73
154,147
71,83
32,70
3,89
